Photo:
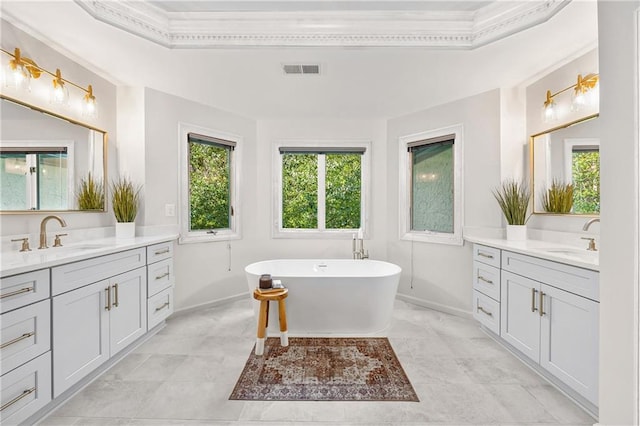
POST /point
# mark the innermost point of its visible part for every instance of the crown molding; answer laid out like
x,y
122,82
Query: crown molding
x,y
397,28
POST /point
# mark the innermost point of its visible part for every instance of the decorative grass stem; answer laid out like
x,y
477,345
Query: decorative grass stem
x,y
558,198
513,198
125,197
90,194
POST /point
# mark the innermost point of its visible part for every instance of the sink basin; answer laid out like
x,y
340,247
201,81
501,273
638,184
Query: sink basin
x,y
82,247
579,254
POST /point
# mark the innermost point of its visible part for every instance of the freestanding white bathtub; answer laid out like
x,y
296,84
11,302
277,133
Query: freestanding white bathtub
x,y
334,296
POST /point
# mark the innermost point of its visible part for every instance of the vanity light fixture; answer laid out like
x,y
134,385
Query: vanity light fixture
x,y
585,93
20,70
60,93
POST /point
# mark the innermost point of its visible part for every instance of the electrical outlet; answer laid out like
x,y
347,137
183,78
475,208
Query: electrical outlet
x,y
170,210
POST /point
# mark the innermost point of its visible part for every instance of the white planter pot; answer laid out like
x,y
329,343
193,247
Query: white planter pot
x,y
125,230
516,232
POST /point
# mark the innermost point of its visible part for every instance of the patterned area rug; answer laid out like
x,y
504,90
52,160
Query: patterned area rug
x,y
324,369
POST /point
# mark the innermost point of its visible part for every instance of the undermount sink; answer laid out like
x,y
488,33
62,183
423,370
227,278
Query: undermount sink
x,y
88,246
582,254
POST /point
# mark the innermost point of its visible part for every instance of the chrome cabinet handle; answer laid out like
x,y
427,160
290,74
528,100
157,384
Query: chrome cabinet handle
x,y
159,277
542,312
166,305
488,256
533,300
115,287
481,278
17,292
108,296
481,309
159,252
18,398
17,339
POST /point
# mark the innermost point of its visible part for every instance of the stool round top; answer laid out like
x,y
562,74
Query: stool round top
x,y
272,295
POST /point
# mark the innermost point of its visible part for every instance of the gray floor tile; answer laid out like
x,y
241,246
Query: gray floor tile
x,y
185,374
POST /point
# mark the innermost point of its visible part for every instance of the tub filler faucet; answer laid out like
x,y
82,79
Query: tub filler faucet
x,y
357,247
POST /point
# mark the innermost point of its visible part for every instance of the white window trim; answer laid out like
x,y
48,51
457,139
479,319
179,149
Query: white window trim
x,y
187,236
279,232
405,232
569,143
71,165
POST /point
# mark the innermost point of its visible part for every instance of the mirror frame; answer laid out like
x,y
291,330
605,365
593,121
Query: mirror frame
x,y
532,163
105,153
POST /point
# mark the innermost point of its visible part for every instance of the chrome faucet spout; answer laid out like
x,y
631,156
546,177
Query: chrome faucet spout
x,y
589,223
43,229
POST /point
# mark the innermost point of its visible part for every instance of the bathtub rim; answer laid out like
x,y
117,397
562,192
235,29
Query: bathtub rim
x,y
396,269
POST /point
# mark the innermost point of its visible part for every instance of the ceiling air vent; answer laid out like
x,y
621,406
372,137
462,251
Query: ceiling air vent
x,y
301,68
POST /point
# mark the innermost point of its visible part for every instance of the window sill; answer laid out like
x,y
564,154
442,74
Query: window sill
x,y
433,237
346,234
202,237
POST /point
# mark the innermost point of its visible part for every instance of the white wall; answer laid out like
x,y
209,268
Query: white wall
x,y
617,23
439,275
105,92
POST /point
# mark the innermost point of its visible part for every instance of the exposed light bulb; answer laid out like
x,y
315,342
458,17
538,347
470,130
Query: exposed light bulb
x,y
89,104
59,93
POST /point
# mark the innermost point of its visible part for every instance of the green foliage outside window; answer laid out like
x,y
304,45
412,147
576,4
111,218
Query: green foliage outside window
x,y
209,186
343,188
586,181
300,191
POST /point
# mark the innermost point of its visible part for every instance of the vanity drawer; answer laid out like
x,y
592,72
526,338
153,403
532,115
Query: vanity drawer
x,y
20,290
159,276
25,334
487,255
159,252
159,307
75,275
583,282
486,279
25,390
486,311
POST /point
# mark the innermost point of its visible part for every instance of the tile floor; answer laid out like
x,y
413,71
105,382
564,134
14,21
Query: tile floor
x,y
185,373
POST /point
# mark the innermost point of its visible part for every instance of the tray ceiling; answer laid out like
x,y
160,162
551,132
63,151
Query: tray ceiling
x,y
422,23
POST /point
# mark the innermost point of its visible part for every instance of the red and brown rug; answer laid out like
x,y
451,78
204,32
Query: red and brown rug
x,y
324,369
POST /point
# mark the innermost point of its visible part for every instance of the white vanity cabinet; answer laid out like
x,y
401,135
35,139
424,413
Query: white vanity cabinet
x,y
25,356
97,320
486,287
549,312
161,280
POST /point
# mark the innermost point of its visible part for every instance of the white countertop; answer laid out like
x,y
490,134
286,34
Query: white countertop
x,y
557,252
15,262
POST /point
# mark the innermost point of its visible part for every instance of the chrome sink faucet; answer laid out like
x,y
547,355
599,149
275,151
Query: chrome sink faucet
x,y
43,229
589,223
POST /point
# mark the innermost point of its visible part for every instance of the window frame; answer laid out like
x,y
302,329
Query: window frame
x,y
405,186
188,236
365,182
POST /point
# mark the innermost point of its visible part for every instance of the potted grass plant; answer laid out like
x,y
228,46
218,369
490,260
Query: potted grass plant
x,y
124,198
513,198
558,198
90,194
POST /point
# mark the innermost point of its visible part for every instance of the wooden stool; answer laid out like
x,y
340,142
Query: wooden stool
x,y
263,317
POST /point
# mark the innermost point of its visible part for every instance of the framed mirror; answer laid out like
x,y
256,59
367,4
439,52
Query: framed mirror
x,y
45,158
565,168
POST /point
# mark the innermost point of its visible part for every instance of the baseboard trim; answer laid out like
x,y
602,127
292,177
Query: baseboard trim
x,y
210,304
435,306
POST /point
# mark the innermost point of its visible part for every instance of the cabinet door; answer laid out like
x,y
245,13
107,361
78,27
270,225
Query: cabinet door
x,y
80,334
569,340
519,319
128,313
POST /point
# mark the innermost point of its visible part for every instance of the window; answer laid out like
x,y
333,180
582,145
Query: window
x,y
582,167
431,186
209,192
36,175
321,189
